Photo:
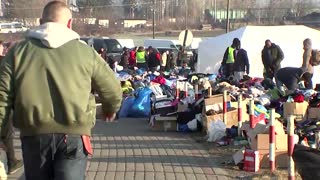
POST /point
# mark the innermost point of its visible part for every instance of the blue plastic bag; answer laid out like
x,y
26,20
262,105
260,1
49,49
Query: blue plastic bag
x,y
126,105
141,106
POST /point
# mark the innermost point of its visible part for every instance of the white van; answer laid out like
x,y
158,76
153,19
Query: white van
x,y
12,27
164,43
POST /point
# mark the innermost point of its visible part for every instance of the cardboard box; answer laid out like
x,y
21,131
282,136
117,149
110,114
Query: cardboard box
x,y
297,109
182,107
165,123
215,99
281,158
245,115
232,119
313,113
263,142
262,145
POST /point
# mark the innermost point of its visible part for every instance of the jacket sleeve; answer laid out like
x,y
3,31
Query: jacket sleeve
x,y
107,86
225,57
246,61
280,53
306,58
280,56
6,87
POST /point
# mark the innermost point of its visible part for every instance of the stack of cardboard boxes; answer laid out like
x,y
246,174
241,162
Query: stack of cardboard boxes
x,y
258,138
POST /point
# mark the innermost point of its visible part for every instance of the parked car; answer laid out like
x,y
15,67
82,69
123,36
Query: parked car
x,y
112,46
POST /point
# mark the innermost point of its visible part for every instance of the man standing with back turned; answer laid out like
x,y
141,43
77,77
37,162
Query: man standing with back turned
x,y
47,79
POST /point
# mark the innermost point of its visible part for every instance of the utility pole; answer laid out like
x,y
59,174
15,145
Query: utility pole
x,y
186,15
215,11
228,18
153,19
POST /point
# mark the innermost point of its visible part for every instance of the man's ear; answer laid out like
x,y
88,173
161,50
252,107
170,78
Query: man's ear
x,y
69,25
41,21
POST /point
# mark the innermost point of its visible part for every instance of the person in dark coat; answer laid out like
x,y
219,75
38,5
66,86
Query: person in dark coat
x,y
290,78
272,55
229,58
241,64
124,61
153,62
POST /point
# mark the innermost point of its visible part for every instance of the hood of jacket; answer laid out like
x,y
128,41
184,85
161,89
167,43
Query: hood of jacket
x,y
53,35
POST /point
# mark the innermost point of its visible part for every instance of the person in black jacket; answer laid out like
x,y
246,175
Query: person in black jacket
x,y
272,55
153,62
290,78
241,63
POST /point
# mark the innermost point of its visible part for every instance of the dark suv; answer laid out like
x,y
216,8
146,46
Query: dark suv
x,y
112,46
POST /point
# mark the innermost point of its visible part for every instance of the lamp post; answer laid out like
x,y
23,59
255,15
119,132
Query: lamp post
x,y
153,19
228,18
186,14
215,11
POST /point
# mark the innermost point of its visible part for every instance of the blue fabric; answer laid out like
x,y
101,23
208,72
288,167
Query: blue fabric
x,y
126,105
184,128
263,110
142,104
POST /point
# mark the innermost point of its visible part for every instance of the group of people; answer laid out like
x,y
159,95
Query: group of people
x,y
153,59
235,65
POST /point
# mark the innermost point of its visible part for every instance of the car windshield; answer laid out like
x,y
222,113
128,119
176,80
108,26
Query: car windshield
x,y
113,46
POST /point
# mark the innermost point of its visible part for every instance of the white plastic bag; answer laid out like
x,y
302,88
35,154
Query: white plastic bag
x,y
192,125
3,165
216,131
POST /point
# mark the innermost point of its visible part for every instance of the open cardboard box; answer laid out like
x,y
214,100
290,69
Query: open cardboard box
x,y
313,113
165,123
295,108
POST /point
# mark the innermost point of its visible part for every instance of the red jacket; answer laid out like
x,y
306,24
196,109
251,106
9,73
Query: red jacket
x,y
132,58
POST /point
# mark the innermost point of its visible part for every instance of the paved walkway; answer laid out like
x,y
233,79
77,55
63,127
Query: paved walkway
x,y
129,150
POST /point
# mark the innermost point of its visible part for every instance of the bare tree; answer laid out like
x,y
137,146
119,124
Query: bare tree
x,y
18,8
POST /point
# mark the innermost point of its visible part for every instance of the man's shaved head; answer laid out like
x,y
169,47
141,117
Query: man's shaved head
x,y
56,11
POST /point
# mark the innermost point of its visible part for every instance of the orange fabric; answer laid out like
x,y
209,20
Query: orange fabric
x,y
87,144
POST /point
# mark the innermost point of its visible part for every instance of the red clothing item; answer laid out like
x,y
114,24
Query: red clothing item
x,y
132,58
299,98
159,80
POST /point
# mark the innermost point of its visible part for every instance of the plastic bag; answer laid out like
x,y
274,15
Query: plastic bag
x,y
3,164
142,104
193,125
126,104
216,131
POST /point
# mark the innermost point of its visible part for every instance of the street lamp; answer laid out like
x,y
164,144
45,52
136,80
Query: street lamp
x,y
186,15
153,19
228,18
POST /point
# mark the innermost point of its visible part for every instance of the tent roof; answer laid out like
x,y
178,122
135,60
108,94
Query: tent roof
x,y
289,38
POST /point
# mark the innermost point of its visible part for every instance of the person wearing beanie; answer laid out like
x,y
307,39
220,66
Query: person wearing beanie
x,y
229,58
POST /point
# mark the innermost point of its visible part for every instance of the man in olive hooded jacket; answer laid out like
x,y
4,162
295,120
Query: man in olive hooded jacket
x,y
47,79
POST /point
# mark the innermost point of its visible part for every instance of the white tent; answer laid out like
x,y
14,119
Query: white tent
x,y
128,43
252,38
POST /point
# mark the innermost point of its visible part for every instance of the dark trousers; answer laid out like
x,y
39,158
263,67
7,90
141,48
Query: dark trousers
x,y
228,70
54,157
142,66
308,80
